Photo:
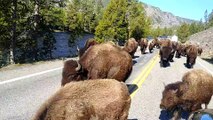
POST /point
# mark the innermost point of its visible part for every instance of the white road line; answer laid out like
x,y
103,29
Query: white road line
x,y
28,76
205,67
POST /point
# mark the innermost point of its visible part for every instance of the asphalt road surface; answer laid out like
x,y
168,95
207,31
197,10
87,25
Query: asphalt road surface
x,y
24,89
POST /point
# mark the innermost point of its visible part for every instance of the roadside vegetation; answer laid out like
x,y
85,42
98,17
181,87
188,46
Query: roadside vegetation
x,y
27,26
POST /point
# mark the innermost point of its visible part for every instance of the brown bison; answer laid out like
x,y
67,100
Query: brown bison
x,y
156,43
69,73
184,48
104,60
151,46
90,42
131,46
191,55
143,43
195,89
165,52
174,48
179,50
200,50
105,99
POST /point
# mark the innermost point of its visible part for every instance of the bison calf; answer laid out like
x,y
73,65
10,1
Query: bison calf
x,y
87,100
195,89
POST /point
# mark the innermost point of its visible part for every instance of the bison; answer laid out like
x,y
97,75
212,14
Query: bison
x,y
151,46
191,55
104,60
156,43
143,43
174,48
131,46
200,50
165,52
72,71
196,88
179,50
105,99
90,42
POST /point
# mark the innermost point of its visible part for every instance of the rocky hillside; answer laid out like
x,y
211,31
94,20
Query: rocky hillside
x,y
163,19
159,17
205,39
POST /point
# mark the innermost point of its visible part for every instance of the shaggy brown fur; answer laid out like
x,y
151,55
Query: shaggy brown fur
x,y
200,50
105,99
156,43
191,54
165,51
131,46
195,89
106,60
143,43
90,42
200,88
70,73
179,50
151,46
174,48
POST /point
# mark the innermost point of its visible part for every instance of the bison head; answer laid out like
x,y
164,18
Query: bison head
x,y
170,97
71,72
192,61
165,53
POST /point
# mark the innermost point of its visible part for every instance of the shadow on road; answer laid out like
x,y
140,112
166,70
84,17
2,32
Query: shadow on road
x,y
209,60
187,66
164,65
134,62
135,57
166,115
132,88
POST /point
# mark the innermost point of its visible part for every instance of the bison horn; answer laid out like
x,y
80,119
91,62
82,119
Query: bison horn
x,y
77,48
79,66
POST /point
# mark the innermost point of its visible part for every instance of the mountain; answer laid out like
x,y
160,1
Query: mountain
x,y
159,17
163,19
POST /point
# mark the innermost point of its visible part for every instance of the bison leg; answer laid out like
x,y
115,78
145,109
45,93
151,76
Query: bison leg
x,y
187,60
171,57
141,50
176,115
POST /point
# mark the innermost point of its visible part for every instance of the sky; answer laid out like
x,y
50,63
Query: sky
x,y
192,9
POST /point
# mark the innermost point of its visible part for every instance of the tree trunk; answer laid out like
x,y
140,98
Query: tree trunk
x,y
13,41
36,22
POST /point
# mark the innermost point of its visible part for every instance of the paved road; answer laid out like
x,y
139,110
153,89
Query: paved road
x,y
146,101
20,98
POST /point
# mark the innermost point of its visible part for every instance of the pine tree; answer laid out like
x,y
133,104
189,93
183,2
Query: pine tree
x,y
139,24
183,32
210,19
113,25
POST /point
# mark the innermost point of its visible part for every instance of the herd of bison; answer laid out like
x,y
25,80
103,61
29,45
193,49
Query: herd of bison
x,y
93,86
